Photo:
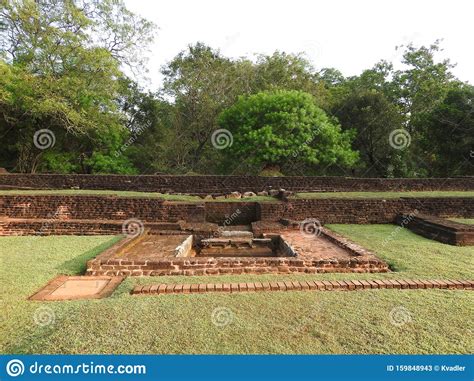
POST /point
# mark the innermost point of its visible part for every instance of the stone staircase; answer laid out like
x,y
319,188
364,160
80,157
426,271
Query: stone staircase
x,y
232,243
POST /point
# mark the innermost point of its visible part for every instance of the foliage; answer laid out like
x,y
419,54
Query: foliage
x,y
62,68
450,133
201,82
60,72
270,128
373,117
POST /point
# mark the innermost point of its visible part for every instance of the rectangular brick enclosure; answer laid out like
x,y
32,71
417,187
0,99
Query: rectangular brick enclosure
x,y
225,184
285,251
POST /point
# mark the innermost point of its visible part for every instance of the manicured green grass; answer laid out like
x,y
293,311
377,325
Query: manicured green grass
x,y
84,192
468,221
168,197
189,198
286,322
383,194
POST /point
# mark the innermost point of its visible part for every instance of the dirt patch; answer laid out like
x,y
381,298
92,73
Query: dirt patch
x,y
313,246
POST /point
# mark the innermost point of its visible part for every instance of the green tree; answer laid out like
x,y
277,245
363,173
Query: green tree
x,y
61,72
282,71
418,89
450,129
270,128
373,118
424,83
201,82
149,120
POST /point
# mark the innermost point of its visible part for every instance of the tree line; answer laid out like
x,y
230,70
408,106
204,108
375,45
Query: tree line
x,y
70,102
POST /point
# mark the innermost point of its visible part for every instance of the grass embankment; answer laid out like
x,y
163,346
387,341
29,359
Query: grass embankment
x,y
439,321
189,198
165,196
468,221
313,195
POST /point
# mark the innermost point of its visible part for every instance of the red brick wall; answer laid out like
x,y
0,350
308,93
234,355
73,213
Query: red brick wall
x,y
213,266
356,211
231,213
99,208
154,210
226,184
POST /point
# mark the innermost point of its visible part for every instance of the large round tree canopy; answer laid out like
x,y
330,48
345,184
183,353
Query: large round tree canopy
x,y
271,128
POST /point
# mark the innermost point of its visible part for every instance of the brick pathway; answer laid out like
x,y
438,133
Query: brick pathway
x,y
341,285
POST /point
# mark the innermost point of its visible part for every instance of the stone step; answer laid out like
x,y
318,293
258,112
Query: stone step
x,y
236,252
235,234
224,242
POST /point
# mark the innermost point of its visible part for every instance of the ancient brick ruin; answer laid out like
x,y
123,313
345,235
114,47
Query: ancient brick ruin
x,y
208,236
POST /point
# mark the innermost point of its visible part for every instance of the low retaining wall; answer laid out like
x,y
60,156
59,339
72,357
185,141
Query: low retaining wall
x,y
231,213
99,208
105,214
215,266
43,227
226,184
438,229
364,211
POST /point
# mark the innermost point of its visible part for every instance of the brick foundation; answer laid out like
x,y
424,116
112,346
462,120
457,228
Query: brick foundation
x,y
359,260
231,213
438,229
220,266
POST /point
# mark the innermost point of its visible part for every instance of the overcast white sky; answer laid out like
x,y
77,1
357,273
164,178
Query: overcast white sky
x,y
348,35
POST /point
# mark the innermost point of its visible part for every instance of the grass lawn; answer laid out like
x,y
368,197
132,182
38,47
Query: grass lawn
x,y
383,194
168,197
439,321
188,198
468,221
